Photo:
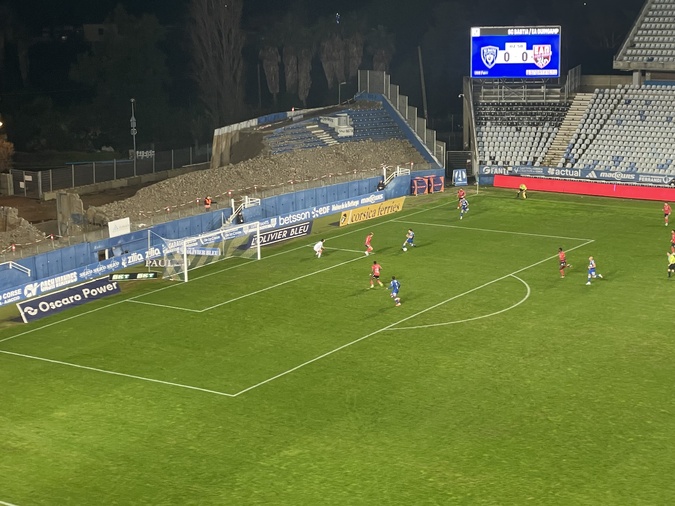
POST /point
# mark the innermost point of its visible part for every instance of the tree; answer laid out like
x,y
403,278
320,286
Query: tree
x,y
380,45
218,66
128,63
269,55
6,154
13,33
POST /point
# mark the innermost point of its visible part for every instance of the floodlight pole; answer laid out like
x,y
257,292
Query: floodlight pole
x,y
340,92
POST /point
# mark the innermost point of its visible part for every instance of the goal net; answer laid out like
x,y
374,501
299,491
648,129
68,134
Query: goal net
x,y
181,256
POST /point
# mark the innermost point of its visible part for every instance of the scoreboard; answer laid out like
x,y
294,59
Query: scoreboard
x,y
515,52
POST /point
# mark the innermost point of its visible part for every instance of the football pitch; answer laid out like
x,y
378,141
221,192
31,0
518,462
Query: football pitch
x,y
288,381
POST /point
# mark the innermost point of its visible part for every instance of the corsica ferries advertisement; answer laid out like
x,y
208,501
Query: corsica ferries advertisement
x,y
373,211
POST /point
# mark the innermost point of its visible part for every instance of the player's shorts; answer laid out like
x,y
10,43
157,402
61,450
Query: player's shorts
x,y
671,267
665,215
394,295
374,276
672,244
563,265
409,240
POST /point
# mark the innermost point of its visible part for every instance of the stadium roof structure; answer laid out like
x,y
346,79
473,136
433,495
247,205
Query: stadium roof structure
x,y
650,45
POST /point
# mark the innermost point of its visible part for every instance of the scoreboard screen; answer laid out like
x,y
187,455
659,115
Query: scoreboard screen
x,y
515,52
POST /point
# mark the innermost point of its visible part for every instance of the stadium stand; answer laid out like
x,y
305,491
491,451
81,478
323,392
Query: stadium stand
x,y
516,133
366,123
651,42
626,129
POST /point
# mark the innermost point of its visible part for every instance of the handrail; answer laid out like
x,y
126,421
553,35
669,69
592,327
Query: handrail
x,y
19,267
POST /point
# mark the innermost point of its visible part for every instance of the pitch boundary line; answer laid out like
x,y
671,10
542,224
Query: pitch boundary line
x,y
3,503
527,296
115,373
388,327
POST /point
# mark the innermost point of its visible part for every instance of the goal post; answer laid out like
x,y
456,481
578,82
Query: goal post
x,y
181,256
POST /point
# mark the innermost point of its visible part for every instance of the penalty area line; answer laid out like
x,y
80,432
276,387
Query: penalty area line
x,y
115,373
3,503
391,325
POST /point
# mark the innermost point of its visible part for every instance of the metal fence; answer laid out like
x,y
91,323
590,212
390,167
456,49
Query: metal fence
x,y
35,184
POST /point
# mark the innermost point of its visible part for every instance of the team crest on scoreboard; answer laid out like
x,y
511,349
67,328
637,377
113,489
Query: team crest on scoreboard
x,y
489,55
541,54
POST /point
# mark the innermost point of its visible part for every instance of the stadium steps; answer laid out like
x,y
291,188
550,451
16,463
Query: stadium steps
x,y
569,125
320,133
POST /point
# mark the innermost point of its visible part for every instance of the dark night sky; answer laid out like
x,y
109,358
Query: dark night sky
x,y
413,23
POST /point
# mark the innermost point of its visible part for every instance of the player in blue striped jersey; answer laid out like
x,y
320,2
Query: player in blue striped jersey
x,y
463,208
409,240
592,274
394,286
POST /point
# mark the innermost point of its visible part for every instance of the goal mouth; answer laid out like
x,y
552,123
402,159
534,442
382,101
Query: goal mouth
x,y
181,256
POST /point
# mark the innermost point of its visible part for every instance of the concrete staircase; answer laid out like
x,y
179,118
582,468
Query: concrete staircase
x,y
320,133
567,129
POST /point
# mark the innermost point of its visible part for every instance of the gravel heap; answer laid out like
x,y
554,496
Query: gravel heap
x,y
263,171
16,230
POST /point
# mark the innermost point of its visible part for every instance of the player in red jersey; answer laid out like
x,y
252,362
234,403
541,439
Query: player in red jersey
x,y
460,195
375,274
562,258
672,240
369,248
666,212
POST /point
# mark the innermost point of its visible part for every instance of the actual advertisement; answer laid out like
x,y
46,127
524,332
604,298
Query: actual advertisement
x,y
282,234
56,302
574,173
373,211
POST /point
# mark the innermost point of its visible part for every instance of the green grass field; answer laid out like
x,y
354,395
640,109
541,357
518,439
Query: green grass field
x,y
288,381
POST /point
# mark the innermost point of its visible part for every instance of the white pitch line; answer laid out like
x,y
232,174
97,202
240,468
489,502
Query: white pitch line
x,y
527,296
280,284
165,306
445,225
399,322
347,250
115,373
3,503
61,321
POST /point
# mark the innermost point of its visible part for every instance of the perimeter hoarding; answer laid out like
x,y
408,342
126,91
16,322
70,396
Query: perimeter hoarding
x,y
515,52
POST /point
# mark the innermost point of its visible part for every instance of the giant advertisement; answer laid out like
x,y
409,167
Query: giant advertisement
x,y
64,299
372,211
515,52
572,173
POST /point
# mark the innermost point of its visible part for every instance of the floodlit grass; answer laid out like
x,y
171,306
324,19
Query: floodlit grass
x,y
288,381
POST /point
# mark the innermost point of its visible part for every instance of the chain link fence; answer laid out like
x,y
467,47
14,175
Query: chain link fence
x,y
34,184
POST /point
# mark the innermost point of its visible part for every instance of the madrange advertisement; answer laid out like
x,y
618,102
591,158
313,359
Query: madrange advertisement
x,y
515,52
52,303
